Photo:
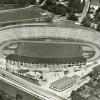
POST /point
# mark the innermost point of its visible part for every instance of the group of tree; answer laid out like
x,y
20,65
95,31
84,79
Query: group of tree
x,y
98,27
56,9
72,17
76,6
73,6
5,96
97,17
97,14
76,96
86,21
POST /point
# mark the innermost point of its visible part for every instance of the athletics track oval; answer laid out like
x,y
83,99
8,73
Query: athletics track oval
x,y
89,37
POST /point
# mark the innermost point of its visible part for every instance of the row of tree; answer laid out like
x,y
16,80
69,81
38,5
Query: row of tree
x,y
5,96
76,96
73,6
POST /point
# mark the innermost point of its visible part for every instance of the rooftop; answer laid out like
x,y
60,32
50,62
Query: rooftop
x,y
62,83
33,60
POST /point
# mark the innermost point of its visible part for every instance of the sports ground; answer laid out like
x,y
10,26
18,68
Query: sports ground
x,y
18,32
48,50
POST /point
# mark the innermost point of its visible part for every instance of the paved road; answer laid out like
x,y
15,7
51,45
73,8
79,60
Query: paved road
x,y
85,10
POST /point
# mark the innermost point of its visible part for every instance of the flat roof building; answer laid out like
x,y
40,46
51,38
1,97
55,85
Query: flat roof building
x,y
64,83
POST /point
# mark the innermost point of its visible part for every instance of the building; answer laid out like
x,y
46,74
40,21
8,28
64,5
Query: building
x,y
64,83
95,4
46,55
52,64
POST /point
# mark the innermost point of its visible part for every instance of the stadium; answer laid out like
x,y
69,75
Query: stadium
x,y
44,54
43,47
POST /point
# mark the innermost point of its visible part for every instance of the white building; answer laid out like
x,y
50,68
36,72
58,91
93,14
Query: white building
x,y
95,4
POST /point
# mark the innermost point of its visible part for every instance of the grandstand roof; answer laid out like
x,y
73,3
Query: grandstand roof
x,y
64,82
33,60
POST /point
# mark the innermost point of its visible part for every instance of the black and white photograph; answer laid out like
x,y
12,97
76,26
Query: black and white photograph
x,y
49,49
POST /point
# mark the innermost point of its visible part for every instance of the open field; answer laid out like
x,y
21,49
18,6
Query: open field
x,y
21,14
44,31
48,50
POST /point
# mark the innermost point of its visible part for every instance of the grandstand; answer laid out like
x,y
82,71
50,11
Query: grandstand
x,y
74,61
47,54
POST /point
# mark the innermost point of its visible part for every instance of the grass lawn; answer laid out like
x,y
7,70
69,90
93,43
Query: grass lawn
x,y
48,50
28,13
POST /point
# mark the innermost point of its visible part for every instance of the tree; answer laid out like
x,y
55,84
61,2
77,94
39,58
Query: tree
x,y
97,14
72,17
76,96
98,28
56,9
18,96
51,6
86,21
73,95
76,6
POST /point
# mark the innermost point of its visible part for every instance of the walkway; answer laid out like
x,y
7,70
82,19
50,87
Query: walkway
x,y
85,10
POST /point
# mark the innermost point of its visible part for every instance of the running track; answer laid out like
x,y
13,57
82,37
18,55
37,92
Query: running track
x,y
24,31
91,38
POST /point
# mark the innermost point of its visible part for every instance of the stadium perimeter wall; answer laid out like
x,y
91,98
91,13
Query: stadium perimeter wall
x,y
25,31
35,31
